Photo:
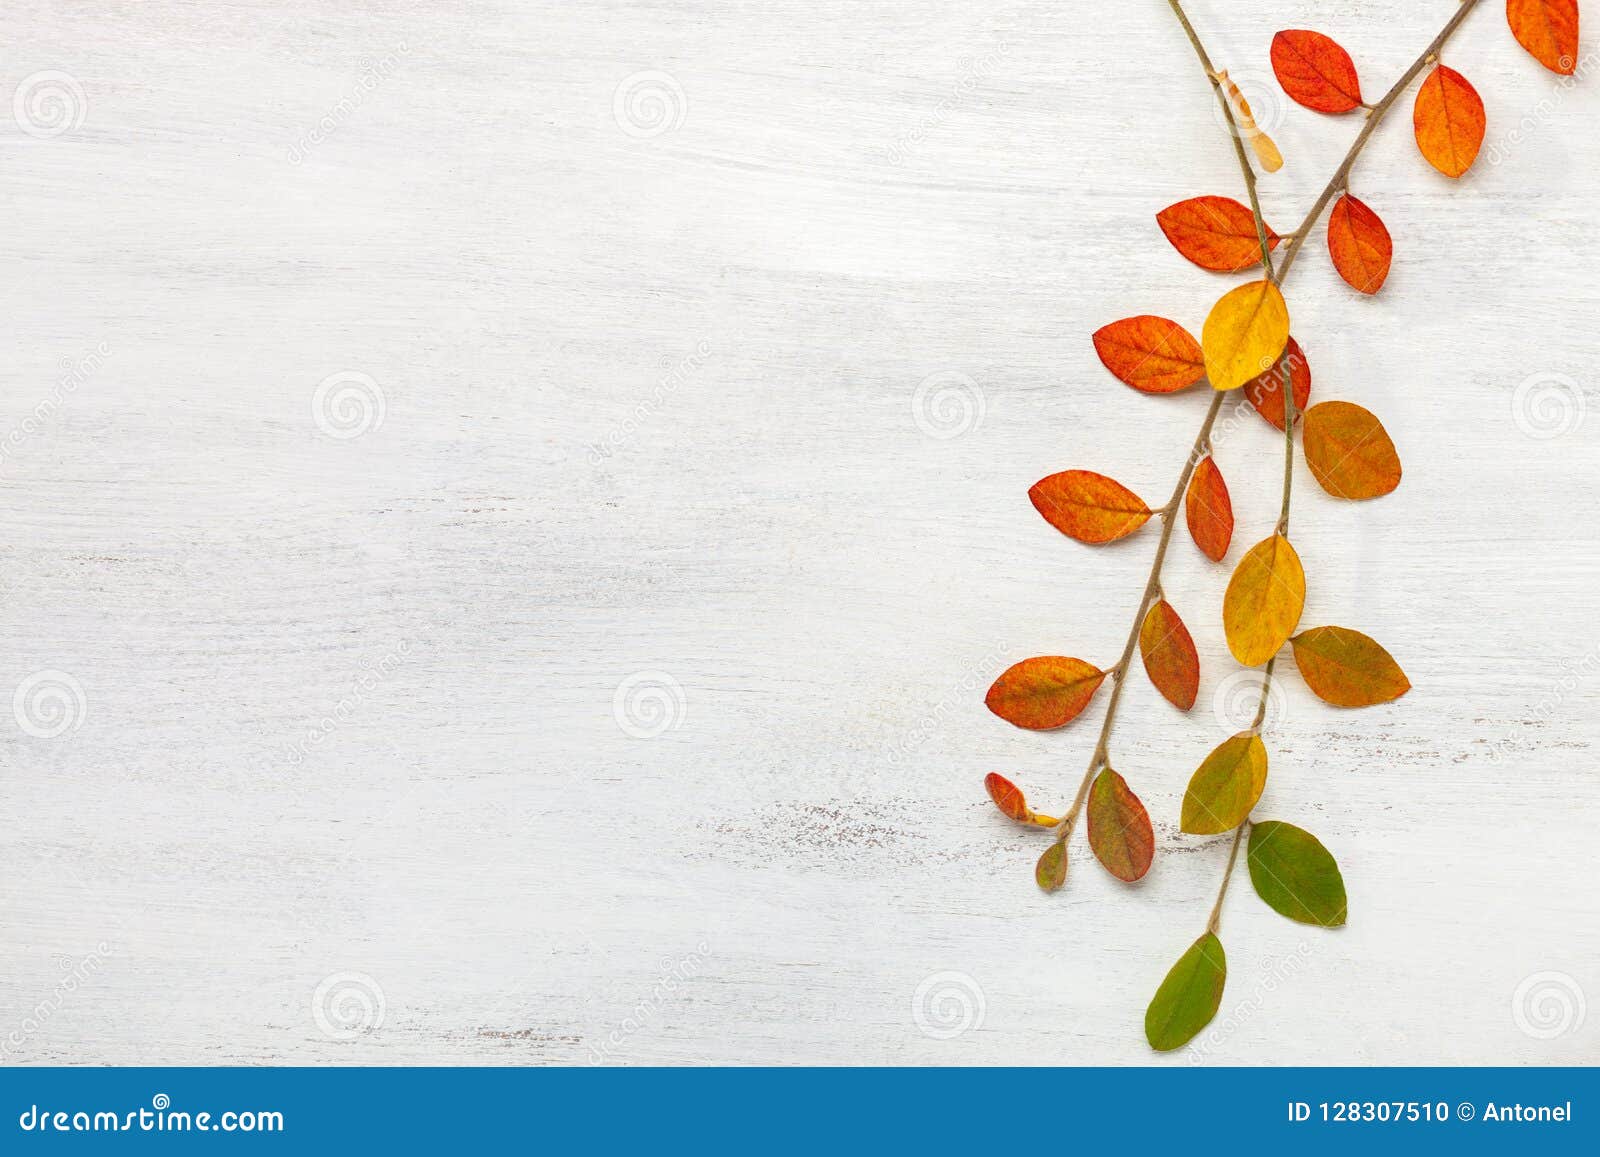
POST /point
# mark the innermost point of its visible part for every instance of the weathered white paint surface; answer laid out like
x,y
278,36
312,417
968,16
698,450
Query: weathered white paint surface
x,y
853,201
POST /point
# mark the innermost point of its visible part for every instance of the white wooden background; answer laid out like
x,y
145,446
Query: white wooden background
x,y
593,670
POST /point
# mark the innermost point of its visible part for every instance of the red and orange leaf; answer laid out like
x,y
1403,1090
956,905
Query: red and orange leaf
x,y
1089,507
1359,245
1209,511
1169,655
1150,353
1007,797
1315,71
1044,693
1548,29
1216,233
1347,668
1119,828
1266,391
1448,120
1350,453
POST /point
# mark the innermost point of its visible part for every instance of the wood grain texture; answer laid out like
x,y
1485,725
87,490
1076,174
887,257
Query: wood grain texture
x,y
655,444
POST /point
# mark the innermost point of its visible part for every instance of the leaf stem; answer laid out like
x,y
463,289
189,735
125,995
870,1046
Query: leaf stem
x,y
1152,591
1339,181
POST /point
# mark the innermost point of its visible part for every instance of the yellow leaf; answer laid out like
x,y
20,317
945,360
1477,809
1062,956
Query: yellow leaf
x,y
1225,787
1264,601
1244,334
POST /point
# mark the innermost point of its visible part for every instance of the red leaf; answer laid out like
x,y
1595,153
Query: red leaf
x,y
1169,655
1315,71
1548,29
1209,511
1266,391
1150,353
1216,233
1119,828
1359,244
1007,797
1089,507
1044,693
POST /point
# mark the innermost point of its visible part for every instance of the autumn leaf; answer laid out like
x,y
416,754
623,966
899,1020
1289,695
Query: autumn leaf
x,y
1216,233
1548,29
1225,786
1189,996
1245,332
1169,655
1089,507
1263,602
1044,693
1295,874
1349,451
1265,148
1051,871
1119,828
1208,510
1347,668
1265,391
1150,353
1359,244
1448,121
1315,71
1007,797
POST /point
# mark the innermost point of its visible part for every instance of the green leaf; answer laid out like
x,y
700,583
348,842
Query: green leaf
x,y
1188,997
1225,787
1051,871
1295,874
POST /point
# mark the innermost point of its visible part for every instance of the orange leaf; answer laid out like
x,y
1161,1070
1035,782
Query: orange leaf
x,y
1264,599
1448,121
1548,29
1119,828
1051,871
1209,511
1007,797
1169,655
1349,451
1315,71
1216,233
1359,244
1089,507
1044,693
1347,668
1150,353
1266,390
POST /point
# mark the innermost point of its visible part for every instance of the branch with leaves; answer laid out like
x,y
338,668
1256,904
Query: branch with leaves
x,y
1245,344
